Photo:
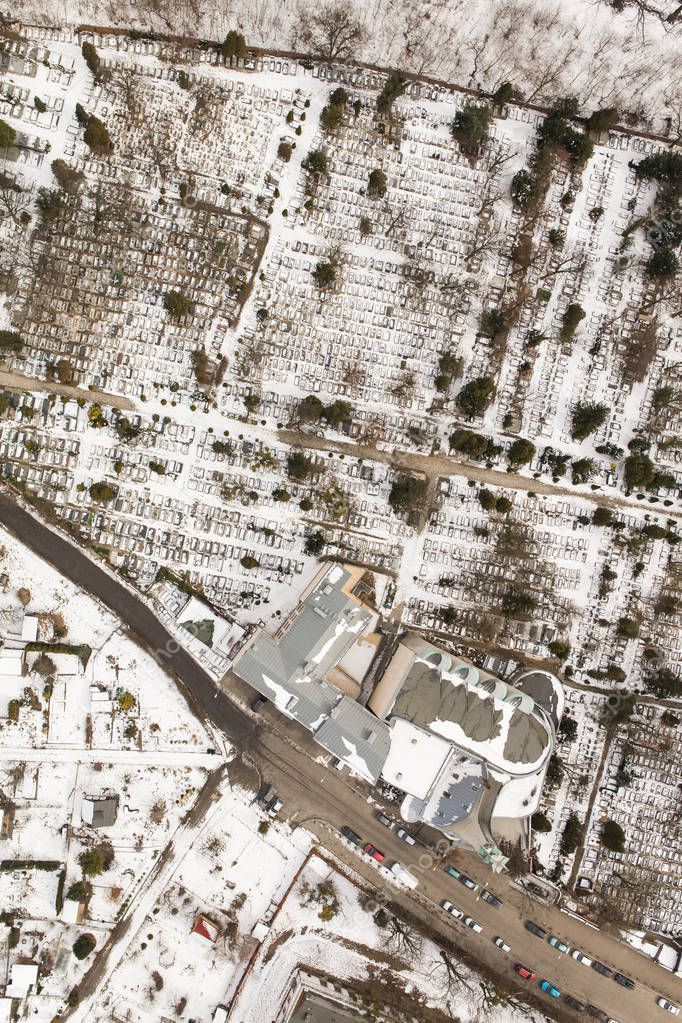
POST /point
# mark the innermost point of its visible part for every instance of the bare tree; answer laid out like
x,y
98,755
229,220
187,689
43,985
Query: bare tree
x,y
401,939
332,31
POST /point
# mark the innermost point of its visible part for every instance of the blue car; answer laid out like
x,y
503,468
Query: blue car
x,y
549,989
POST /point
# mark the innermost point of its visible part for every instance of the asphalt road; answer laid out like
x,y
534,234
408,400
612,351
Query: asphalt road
x,y
324,799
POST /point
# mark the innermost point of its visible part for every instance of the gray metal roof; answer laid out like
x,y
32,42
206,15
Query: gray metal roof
x,y
353,734
290,668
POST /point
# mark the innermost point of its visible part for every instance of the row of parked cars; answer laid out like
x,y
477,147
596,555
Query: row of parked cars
x,y
486,896
580,957
371,850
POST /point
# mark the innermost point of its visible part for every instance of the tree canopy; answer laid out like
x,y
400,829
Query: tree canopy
x,y
471,124
475,396
586,418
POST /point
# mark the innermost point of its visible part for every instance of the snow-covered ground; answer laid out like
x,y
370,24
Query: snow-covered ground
x,y
546,49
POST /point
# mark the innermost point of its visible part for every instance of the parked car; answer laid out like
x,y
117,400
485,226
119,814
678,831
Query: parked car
x,y
558,944
351,835
452,871
259,702
491,899
404,876
600,968
598,1013
405,836
668,1006
624,981
383,819
535,889
524,972
274,806
450,908
549,989
580,957
535,929
468,882
574,1003
375,853
501,943
473,924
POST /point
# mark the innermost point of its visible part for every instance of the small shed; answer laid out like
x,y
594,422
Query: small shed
x,y
99,811
206,929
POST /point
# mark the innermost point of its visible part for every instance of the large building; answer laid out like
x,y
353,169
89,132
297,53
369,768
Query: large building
x,y
469,750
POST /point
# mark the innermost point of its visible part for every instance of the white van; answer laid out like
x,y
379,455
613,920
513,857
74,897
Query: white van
x,y
404,876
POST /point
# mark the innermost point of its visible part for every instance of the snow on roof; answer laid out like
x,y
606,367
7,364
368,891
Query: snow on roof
x,y
29,629
11,662
415,758
206,929
72,911
5,1010
477,712
22,978
197,611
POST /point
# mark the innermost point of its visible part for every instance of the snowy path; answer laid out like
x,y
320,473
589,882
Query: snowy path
x,y
155,758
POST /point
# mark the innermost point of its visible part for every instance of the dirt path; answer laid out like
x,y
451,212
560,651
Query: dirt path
x,y
13,381
433,466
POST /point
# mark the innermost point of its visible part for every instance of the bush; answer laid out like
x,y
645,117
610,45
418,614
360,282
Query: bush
x,y
471,124
475,396
80,891
310,409
394,87
377,183
503,505
539,822
84,945
568,728
407,493
572,835
50,203
517,602
284,151
281,494
639,471
555,771
602,516
471,443
586,418
492,322
524,187
521,452
314,543
324,274
331,117
613,836
487,499
628,628
663,264
102,491
97,137
581,470
7,135
91,58
93,861
602,120
299,467
316,162
233,46
10,341
249,562
176,304
573,314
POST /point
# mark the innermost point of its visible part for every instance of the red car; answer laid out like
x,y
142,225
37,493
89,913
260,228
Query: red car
x,y
372,851
524,972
